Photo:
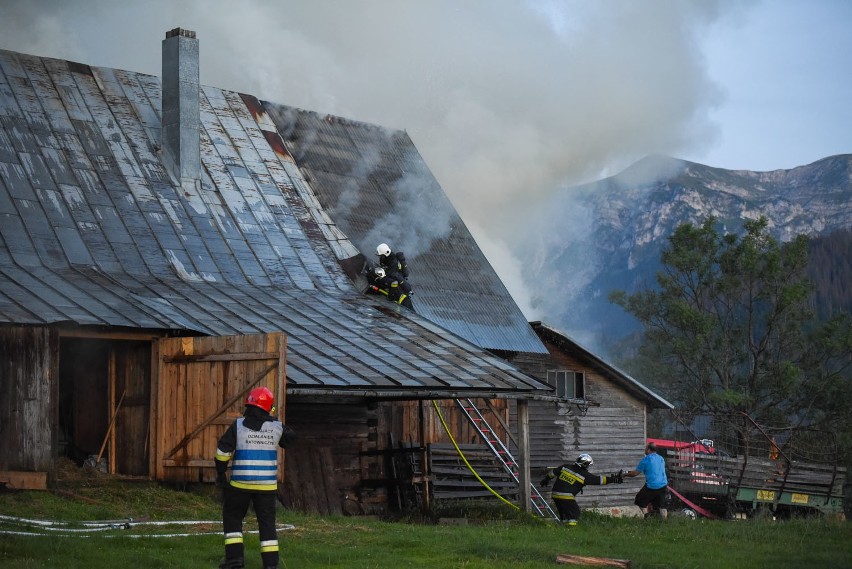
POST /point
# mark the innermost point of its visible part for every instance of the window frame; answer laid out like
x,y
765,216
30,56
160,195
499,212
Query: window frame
x,y
561,379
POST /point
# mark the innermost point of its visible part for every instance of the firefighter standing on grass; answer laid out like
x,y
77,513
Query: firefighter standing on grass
x,y
251,445
570,480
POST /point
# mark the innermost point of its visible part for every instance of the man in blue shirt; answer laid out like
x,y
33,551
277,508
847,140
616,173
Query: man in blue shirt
x,y
652,495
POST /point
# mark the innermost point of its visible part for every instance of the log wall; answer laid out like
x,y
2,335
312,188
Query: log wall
x,y
329,467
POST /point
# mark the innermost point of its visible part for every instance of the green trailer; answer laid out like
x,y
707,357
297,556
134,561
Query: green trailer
x,y
760,478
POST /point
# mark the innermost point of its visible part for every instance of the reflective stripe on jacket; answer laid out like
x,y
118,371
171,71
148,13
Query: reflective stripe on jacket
x,y
255,461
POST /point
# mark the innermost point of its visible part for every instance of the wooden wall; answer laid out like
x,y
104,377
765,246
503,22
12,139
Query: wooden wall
x,y
401,420
28,392
342,461
328,468
613,432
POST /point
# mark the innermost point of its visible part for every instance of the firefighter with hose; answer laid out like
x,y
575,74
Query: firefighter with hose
x,y
570,480
251,446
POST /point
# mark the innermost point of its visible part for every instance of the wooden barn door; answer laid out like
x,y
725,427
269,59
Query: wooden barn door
x,y
201,388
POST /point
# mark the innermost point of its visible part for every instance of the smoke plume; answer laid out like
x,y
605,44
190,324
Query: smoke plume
x,y
507,101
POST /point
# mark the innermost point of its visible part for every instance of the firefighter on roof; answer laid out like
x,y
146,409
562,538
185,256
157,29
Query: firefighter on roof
x,y
251,446
392,262
570,480
396,290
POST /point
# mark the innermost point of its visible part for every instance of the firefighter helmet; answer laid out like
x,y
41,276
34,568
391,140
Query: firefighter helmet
x,y
261,397
379,272
383,250
585,460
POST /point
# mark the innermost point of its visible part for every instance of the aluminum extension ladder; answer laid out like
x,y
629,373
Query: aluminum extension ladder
x,y
538,502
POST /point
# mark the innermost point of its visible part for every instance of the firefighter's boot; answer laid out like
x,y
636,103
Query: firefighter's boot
x,y
236,563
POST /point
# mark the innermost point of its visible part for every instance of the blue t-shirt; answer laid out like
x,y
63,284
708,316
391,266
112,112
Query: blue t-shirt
x,y
654,468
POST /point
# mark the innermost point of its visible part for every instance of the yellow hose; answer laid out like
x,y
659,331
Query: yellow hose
x,y
458,450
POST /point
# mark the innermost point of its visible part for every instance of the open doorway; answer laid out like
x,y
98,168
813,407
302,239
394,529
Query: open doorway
x,y
104,403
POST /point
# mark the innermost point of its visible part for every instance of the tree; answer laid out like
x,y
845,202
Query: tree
x,y
730,332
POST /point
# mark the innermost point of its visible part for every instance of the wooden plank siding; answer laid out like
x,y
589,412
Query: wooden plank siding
x,y
331,458
202,383
401,420
28,398
612,431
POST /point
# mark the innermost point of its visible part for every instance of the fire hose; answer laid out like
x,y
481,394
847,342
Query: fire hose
x,y
461,454
695,507
52,528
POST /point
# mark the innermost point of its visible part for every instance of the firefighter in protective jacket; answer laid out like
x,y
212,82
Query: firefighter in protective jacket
x,y
251,446
570,480
382,283
393,262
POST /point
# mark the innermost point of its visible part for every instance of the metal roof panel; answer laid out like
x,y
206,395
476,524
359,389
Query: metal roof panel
x,y
94,232
372,182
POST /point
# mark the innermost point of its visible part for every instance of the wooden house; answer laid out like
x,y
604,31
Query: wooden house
x,y
165,246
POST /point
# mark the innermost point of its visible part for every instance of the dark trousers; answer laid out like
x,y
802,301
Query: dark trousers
x,y
569,510
655,498
234,509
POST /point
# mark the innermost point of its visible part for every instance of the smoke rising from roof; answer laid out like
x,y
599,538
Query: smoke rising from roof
x,y
507,101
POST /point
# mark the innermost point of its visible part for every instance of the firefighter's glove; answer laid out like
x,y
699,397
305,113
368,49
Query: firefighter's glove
x,y
221,481
544,482
616,477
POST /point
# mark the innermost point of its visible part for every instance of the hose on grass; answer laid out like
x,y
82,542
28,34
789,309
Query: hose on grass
x,y
54,528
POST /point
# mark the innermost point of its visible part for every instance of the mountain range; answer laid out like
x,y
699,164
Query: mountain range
x,y
608,234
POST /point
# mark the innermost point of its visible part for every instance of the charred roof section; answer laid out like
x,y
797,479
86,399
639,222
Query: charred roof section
x,y
377,188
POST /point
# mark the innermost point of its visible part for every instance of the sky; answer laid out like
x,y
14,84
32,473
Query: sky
x,y
508,101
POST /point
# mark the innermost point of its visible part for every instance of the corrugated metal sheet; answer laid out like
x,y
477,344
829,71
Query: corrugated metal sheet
x,y
377,188
94,232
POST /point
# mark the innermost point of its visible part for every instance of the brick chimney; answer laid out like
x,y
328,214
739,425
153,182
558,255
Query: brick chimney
x,y
181,111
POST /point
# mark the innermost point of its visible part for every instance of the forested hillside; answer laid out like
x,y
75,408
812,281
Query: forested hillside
x,y
830,270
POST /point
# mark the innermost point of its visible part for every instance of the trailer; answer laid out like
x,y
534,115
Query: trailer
x,y
753,479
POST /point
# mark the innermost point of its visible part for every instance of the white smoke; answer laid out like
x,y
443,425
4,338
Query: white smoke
x,y
507,101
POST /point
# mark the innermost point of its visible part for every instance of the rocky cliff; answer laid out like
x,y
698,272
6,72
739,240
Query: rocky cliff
x,y
608,234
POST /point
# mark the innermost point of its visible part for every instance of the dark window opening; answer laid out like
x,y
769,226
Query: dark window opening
x,y
568,384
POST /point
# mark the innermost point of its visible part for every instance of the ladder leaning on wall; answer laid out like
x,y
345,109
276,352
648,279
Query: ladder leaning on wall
x,y
538,502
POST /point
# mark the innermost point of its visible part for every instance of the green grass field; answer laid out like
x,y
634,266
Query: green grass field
x,y
502,538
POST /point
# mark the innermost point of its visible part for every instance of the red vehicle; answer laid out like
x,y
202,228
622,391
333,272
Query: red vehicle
x,y
704,446
693,473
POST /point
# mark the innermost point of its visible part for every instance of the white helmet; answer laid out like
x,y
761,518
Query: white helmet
x,y
585,460
379,272
383,250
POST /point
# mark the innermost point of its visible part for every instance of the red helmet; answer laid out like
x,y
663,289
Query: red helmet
x,y
260,397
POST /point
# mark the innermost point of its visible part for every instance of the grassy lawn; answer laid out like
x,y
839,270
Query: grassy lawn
x,y
500,539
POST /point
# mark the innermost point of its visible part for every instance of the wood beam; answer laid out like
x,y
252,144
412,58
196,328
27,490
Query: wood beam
x,y
524,450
